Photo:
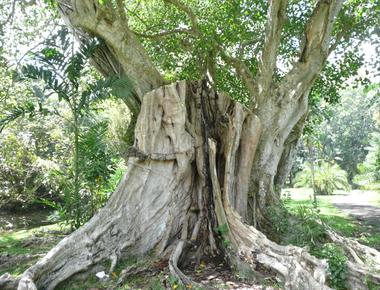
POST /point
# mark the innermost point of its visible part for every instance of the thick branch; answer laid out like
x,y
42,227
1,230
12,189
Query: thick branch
x,y
314,51
288,154
121,10
96,20
267,63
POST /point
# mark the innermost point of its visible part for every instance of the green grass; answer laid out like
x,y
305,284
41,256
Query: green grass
x,y
12,242
15,243
374,197
329,214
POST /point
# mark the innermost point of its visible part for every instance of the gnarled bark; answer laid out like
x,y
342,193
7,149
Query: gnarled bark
x,y
181,183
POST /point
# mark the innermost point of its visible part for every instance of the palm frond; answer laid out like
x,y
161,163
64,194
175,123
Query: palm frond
x,y
327,177
17,112
102,89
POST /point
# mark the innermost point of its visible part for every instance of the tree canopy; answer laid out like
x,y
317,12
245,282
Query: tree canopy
x,y
219,95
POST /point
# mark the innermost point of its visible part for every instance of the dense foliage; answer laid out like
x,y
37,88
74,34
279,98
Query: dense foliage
x,y
369,170
343,134
62,155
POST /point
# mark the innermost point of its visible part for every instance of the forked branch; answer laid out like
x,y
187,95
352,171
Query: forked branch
x,y
267,63
193,19
314,51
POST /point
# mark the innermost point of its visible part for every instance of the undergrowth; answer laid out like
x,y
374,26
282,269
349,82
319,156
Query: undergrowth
x,y
305,231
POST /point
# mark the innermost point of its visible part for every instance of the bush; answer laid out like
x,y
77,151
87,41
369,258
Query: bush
x,y
25,174
337,265
306,231
327,178
99,173
74,210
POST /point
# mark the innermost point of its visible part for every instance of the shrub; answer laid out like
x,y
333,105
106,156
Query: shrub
x,y
306,231
337,265
327,178
25,174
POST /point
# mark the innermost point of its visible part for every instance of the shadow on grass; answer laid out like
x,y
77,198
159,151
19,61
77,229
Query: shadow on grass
x,y
12,243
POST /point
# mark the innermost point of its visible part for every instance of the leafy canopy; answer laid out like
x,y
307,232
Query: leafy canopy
x,y
184,42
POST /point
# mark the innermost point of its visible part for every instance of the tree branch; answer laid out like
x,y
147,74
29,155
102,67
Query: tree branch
x,y
121,10
11,14
314,52
91,19
267,63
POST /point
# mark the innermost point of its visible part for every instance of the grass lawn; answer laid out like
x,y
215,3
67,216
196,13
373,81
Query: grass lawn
x,y
20,249
374,198
339,221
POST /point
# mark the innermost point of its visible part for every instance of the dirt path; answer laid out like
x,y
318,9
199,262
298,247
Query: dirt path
x,y
361,205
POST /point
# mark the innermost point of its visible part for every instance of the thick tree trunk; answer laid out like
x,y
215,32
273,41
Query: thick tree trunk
x,y
187,175
280,119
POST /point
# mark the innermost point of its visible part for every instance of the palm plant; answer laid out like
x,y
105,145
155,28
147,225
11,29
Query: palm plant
x,y
327,177
61,70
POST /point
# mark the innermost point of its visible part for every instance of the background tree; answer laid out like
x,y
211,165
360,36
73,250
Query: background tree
x,y
199,158
339,134
345,135
369,169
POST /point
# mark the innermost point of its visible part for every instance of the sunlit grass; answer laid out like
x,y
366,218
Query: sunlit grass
x,y
329,214
374,197
16,243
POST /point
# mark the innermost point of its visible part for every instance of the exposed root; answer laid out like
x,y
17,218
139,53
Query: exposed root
x,y
175,256
173,265
295,267
361,276
134,270
359,253
7,282
364,264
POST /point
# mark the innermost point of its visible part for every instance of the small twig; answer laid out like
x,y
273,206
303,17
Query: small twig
x,y
11,14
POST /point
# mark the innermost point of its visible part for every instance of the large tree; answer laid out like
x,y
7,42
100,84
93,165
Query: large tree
x,y
203,159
